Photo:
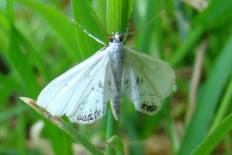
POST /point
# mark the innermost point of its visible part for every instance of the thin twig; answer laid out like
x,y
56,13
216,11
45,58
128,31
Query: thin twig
x,y
197,71
64,126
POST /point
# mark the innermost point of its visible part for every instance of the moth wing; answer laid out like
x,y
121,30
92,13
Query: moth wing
x,y
93,102
66,93
147,81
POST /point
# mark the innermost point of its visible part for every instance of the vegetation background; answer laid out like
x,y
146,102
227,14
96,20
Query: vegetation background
x,y
39,40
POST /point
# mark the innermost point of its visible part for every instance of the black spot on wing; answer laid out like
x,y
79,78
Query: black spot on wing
x,y
89,116
148,107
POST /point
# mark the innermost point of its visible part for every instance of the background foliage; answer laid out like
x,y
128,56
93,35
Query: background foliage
x,y
40,39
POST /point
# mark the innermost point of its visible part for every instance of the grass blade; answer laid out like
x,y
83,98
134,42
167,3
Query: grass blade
x,y
217,11
24,70
226,101
60,24
64,126
118,14
214,137
7,86
207,103
85,18
188,44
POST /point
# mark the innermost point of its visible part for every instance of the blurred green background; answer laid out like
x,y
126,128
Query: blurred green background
x,y
39,40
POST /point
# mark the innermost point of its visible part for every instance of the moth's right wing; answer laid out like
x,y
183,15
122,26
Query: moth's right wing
x,y
77,92
146,81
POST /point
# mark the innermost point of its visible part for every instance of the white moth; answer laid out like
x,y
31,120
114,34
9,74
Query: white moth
x,y
82,93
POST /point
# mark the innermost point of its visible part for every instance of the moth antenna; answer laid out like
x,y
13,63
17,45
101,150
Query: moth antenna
x,y
147,24
88,33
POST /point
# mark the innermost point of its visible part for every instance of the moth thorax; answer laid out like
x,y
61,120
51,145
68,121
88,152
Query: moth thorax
x,y
116,53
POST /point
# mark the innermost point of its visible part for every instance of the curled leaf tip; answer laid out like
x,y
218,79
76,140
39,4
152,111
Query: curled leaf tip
x,y
27,100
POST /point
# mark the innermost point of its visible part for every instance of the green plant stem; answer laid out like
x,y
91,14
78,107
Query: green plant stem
x,y
117,15
64,126
224,106
111,130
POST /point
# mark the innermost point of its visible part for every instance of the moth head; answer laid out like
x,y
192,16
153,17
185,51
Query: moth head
x,y
116,38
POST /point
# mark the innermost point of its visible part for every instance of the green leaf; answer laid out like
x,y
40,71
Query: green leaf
x,y
117,144
148,17
193,37
7,86
33,54
214,137
60,24
224,106
66,127
4,41
15,111
118,14
208,100
219,11
4,36
4,22
86,19
20,63
99,7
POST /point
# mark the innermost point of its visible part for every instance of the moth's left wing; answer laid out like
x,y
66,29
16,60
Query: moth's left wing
x,y
92,104
79,92
146,81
